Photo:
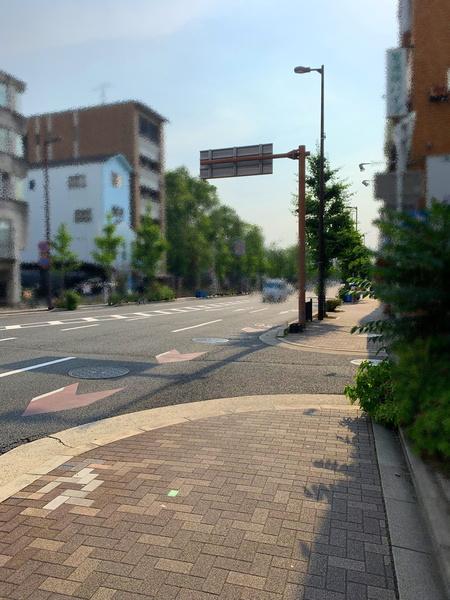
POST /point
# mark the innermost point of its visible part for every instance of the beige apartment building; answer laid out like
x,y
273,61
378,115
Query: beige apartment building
x,y
13,170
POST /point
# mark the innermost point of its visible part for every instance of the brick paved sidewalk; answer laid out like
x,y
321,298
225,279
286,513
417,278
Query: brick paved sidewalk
x,y
282,504
333,334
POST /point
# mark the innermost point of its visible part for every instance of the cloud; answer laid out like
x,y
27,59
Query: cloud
x,y
34,25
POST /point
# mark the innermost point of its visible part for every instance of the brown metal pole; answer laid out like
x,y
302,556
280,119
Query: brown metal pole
x,y
301,238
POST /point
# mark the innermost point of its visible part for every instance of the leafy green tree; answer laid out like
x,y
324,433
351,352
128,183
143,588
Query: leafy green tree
x,y
108,245
148,248
64,259
343,244
188,206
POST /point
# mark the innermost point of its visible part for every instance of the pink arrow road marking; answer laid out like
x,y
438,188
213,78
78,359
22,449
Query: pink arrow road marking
x,y
64,399
174,356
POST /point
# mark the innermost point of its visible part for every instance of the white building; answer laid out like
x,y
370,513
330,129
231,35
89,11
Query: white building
x,y
82,193
13,169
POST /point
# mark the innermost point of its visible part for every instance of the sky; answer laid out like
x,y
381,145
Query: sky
x,y
221,72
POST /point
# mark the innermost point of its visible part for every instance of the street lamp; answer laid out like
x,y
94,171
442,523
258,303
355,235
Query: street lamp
x,y
48,282
366,182
364,164
321,232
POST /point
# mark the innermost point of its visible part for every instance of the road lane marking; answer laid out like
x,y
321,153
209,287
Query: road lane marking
x,y
7,339
238,309
162,312
90,319
12,327
283,312
177,310
195,326
259,310
80,327
38,366
116,316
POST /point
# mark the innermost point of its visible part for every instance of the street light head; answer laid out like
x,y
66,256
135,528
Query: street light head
x,y
361,167
366,182
302,70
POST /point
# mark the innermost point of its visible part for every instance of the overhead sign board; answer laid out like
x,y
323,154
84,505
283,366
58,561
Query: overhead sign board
x,y
396,83
236,162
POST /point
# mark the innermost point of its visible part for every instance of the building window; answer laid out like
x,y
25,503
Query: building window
x,y
11,142
117,213
3,95
116,180
32,184
83,215
6,239
76,181
148,129
148,163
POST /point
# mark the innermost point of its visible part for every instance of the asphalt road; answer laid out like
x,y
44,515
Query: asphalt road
x,y
39,350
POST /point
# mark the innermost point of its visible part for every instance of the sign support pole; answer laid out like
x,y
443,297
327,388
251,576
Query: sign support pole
x,y
301,239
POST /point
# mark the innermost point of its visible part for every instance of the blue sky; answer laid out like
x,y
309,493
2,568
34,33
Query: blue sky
x,y
222,73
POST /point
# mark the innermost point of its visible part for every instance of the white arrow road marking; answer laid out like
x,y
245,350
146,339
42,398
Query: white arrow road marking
x,y
195,326
7,339
39,366
175,356
80,327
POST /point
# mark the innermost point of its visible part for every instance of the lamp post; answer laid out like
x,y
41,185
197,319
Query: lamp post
x,y
48,280
321,216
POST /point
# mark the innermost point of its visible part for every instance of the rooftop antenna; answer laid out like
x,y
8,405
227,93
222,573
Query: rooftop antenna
x,y
102,90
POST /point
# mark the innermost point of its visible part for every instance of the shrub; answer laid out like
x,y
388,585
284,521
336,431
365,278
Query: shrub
x,y
69,300
115,298
160,293
373,390
332,304
422,392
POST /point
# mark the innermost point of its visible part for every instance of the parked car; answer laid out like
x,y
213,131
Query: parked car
x,y
90,286
275,290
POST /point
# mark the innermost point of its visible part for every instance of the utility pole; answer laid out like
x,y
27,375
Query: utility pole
x,y
48,240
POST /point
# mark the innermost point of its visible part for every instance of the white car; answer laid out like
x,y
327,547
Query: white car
x,y
275,290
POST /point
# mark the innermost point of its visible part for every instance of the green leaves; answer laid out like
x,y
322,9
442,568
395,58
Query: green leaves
x,y
108,245
148,248
63,258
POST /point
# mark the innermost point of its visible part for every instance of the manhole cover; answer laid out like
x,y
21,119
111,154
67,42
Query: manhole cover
x,y
211,340
98,372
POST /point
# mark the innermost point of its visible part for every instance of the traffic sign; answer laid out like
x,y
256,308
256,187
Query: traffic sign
x,y
43,247
237,161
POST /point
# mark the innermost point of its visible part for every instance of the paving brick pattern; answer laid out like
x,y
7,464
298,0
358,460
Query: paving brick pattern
x,y
277,505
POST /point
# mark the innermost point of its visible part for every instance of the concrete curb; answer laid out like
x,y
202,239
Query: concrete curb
x,y
433,494
277,337
23,465
415,564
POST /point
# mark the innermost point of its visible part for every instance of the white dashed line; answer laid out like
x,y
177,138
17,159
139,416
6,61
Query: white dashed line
x,y
39,366
195,326
80,327
259,310
7,339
